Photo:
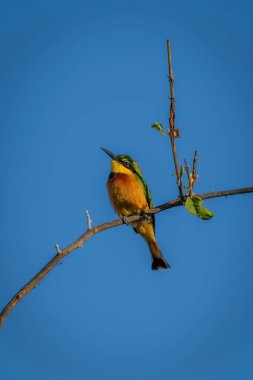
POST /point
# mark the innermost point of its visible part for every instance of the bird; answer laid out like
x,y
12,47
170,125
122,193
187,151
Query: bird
x,y
130,195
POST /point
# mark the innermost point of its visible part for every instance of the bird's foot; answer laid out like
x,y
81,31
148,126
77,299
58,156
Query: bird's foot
x,y
145,217
125,220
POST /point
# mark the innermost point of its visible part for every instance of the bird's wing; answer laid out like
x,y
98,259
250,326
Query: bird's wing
x,y
148,195
146,190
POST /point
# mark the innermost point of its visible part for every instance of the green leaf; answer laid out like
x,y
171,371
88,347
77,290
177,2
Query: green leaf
x,y
189,205
181,172
158,127
194,206
186,187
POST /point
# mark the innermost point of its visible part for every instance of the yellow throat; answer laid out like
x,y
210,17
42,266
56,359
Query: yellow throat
x,y
116,167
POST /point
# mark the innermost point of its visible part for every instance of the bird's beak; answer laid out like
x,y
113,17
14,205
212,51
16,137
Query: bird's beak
x,y
113,157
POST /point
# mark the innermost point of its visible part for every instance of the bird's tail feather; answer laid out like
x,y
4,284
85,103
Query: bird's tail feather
x,y
159,261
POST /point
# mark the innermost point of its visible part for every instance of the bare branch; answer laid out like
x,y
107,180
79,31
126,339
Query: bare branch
x,y
187,168
173,133
194,166
88,234
194,175
58,249
89,221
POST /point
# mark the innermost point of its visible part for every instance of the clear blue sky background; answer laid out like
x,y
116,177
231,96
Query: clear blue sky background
x,y
77,75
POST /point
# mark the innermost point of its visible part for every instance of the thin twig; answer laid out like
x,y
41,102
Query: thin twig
x,y
187,168
194,165
58,248
192,176
89,221
172,132
88,234
194,171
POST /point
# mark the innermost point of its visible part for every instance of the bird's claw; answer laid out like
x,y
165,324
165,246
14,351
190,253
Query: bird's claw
x,y
145,217
125,220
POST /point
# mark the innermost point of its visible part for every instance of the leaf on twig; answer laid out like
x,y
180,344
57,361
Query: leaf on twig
x,y
181,172
186,187
158,127
194,206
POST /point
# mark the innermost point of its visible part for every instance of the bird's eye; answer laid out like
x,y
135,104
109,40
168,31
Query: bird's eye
x,y
126,164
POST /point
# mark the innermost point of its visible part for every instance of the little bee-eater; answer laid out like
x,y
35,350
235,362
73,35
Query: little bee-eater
x,y
130,195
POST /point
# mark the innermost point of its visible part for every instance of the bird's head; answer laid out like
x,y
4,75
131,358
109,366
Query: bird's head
x,y
123,163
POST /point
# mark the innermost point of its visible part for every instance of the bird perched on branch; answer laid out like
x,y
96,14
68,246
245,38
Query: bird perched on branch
x,y
130,195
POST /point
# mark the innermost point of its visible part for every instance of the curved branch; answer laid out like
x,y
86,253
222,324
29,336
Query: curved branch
x,y
88,234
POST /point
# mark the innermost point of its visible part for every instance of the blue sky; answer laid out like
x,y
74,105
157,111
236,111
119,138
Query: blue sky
x,y
79,75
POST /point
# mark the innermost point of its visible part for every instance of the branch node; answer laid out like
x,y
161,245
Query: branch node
x,y
174,133
89,221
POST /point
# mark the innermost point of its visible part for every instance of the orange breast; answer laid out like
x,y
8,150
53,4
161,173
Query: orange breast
x,y
127,194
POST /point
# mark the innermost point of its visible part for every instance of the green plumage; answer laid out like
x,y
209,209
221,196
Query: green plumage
x,y
138,174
